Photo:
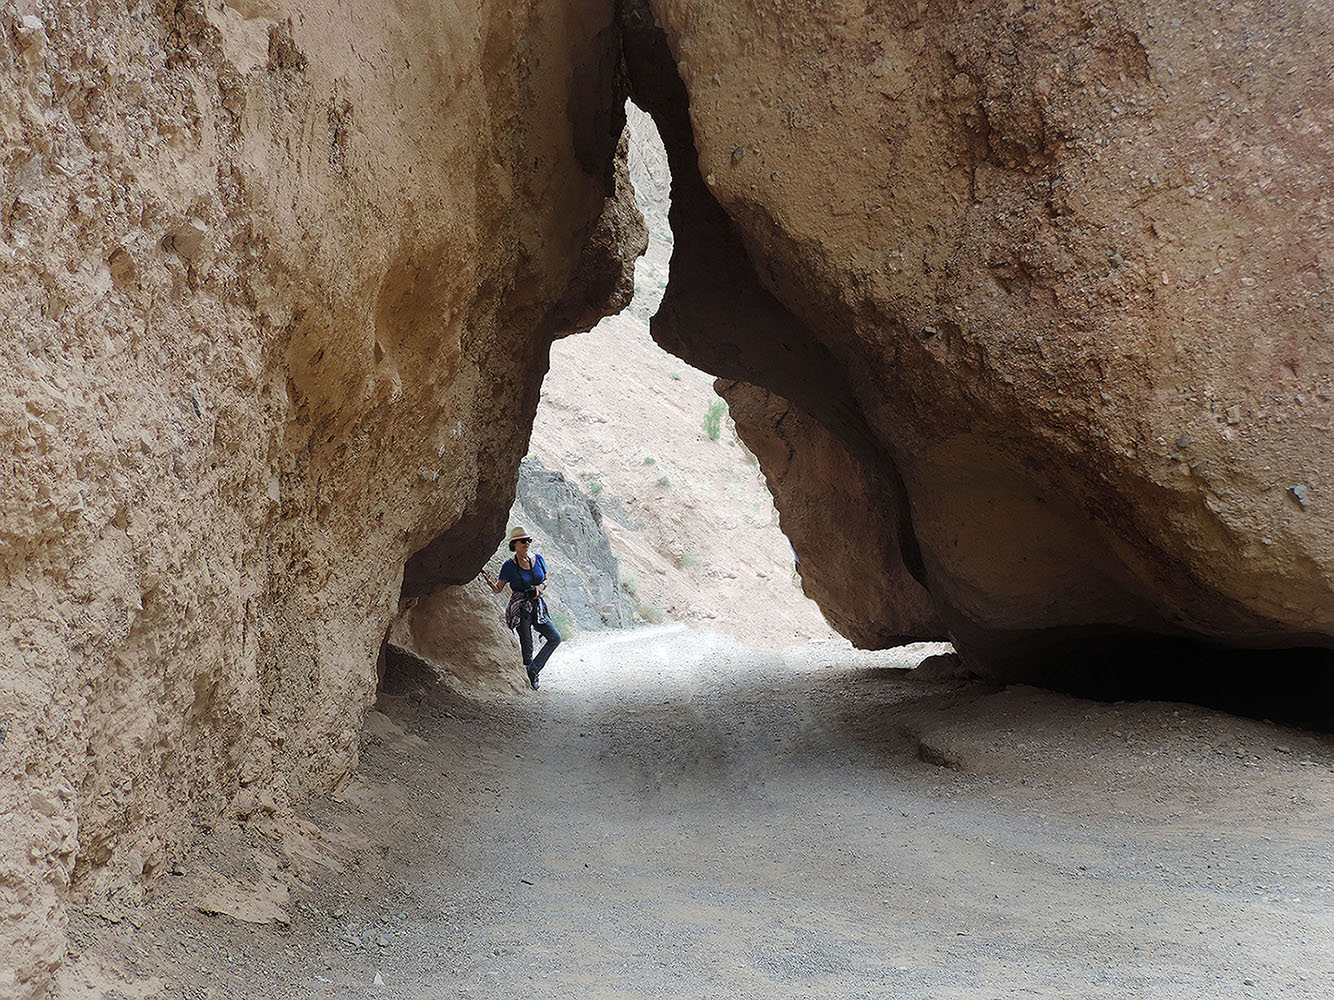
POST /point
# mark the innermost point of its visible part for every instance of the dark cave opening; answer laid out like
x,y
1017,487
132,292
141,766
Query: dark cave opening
x,y
1293,686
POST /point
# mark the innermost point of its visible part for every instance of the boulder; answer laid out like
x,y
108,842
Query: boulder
x,y
459,635
1058,268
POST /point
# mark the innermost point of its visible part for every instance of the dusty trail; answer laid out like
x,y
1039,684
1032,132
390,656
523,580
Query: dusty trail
x,y
675,816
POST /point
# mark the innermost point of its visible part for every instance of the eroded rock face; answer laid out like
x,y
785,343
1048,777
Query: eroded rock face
x,y
459,633
278,281
1062,269
857,569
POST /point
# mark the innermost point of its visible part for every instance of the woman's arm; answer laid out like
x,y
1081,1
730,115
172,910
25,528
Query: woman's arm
x,y
496,587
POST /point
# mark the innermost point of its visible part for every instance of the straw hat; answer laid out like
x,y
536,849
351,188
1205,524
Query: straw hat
x,y
517,533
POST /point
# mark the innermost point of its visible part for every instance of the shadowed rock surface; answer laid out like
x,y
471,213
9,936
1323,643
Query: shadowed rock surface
x,y
861,577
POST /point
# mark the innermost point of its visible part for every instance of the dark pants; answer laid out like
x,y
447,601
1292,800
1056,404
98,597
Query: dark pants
x,y
548,631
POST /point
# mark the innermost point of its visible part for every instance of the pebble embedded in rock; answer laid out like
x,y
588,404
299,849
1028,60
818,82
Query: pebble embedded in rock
x,y
1301,493
31,34
187,239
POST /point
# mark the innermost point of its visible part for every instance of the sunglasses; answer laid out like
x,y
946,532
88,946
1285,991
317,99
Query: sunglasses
x,y
522,541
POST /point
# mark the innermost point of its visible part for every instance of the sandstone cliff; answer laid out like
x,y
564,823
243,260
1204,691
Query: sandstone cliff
x,y
278,281
1056,274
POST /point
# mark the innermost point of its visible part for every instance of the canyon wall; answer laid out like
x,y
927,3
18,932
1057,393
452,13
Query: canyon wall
x,y
278,281
1056,274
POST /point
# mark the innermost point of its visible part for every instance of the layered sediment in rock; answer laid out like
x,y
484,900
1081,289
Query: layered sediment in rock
x,y
278,281
1062,270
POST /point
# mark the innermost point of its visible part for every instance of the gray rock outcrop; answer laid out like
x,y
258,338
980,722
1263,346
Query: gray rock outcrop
x,y
567,523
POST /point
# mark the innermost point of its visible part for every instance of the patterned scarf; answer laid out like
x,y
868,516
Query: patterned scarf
x,y
519,606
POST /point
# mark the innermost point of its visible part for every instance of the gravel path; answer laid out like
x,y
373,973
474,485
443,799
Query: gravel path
x,y
675,816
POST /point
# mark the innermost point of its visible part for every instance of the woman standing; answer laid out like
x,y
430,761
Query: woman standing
x,y
526,575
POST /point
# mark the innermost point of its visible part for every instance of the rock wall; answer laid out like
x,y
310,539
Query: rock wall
x,y
1062,270
278,279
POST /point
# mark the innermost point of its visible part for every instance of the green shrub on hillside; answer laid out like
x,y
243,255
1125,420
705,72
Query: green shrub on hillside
x,y
713,420
628,583
565,625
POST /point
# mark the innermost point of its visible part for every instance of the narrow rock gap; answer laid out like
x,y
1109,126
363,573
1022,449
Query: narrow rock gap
x,y
282,280
646,440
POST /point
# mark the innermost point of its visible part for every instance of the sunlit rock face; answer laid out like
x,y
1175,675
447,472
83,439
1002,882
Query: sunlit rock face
x,y
277,281
1061,269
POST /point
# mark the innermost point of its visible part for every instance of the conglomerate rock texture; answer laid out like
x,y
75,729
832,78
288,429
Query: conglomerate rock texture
x,y
277,282
1058,274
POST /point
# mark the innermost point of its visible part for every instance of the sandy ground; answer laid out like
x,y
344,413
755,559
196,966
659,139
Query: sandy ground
x,y
674,815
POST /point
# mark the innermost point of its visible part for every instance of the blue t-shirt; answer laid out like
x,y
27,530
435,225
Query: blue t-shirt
x,y
523,579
